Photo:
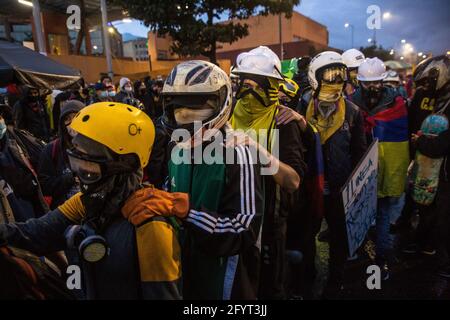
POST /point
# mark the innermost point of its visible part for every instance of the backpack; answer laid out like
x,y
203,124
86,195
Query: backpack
x,y
24,276
32,145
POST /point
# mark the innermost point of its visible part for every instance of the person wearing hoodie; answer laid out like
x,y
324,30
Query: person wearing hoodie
x,y
124,233
57,179
30,114
386,119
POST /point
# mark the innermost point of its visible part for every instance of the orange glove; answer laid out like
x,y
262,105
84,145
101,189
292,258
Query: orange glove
x,y
149,202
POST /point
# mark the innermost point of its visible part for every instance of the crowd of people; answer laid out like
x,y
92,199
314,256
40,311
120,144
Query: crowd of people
x,y
102,178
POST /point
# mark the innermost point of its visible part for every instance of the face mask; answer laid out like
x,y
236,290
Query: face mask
x,y
128,89
2,128
104,94
186,115
330,92
111,93
372,94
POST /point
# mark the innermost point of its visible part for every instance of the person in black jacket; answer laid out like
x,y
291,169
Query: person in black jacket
x,y
436,73
17,174
256,113
30,114
339,125
57,180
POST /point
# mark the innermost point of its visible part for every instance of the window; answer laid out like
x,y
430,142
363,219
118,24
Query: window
x,y
22,32
162,55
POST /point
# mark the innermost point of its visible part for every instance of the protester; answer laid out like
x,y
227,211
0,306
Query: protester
x,y
301,76
126,94
143,95
156,109
57,179
386,119
353,59
30,114
432,80
338,125
220,254
393,80
123,225
19,178
255,112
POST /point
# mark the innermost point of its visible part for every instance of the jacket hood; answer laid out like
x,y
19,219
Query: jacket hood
x,y
72,106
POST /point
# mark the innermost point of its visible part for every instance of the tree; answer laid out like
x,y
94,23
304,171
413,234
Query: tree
x,y
374,51
195,25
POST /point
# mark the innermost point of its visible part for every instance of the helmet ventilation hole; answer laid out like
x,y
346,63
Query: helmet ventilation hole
x,y
85,118
129,109
111,105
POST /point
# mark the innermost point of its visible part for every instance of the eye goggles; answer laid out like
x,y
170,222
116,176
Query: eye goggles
x,y
87,169
289,87
335,75
91,170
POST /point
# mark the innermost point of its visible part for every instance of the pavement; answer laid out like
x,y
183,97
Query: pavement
x,y
411,277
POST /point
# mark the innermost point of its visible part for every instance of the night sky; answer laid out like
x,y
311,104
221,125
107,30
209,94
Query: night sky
x,y
425,24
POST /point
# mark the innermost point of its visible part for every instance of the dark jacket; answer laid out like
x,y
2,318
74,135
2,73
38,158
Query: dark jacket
x,y
119,275
32,118
220,251
157,169
438,147
56,178
344,149
28,201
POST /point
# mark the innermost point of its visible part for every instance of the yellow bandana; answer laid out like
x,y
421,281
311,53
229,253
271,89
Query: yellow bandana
x,y
326,127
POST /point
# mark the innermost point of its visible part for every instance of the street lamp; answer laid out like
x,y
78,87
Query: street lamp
x,y
111,30
401,58
369,40
386,15
346,25
403,41
420,54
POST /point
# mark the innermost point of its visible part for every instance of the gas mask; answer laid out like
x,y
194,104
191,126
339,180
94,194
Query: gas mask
x,y
372,92
91,247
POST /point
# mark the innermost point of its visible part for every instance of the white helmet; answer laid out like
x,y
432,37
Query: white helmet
x,y
353,58
320,62
197,84
392,76
372,69
260,61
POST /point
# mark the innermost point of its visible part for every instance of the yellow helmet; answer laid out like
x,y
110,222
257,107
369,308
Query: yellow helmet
x,y
122,128
289,87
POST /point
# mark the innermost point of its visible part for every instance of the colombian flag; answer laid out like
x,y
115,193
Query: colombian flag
x,y
390,126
